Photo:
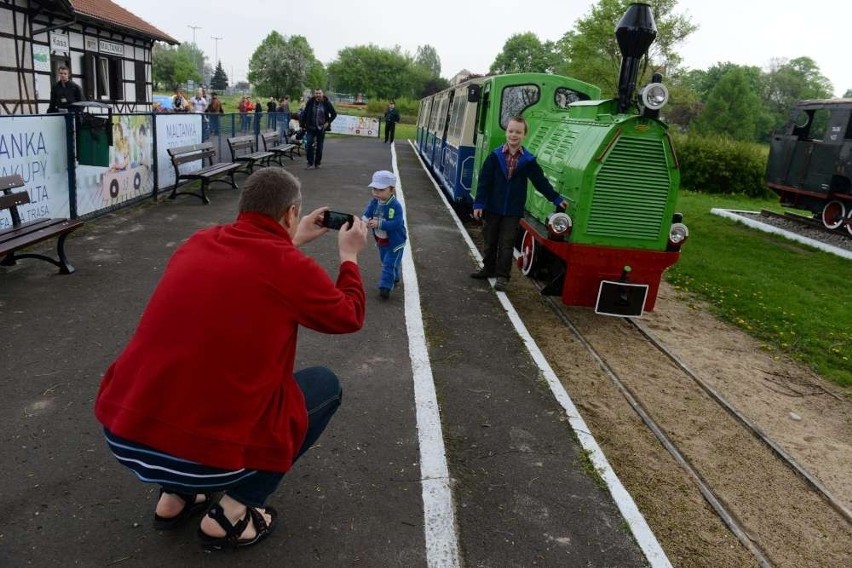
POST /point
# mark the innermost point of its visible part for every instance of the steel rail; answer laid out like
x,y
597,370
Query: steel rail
x,y
721,510
751,426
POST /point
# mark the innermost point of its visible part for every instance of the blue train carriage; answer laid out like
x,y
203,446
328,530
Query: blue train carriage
x,y
445,134
614,161
810,161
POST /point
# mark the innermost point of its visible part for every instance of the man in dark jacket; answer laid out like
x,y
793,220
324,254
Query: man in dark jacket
x,y
501,194
391,118
316,119
64,92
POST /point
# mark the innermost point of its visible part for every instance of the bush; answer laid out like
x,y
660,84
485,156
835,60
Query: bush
x,y
723,166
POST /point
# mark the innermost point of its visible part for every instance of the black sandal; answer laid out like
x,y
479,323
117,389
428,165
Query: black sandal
x,y
190,508
233,532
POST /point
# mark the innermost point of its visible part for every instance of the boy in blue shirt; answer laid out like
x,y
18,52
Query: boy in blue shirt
x,y
384,216
501,195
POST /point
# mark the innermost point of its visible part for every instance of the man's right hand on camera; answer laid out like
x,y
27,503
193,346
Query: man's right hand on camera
x,y
351,239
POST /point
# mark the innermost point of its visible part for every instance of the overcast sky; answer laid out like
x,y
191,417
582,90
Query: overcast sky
x,y
469,34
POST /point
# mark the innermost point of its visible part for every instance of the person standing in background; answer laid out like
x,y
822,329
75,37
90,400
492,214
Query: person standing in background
x,y
316,119
271,116
199,105
391,118
215,109
258,111
283,118
64,92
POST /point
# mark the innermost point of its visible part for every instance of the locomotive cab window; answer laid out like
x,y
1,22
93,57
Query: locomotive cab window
x,y
565,96
516,99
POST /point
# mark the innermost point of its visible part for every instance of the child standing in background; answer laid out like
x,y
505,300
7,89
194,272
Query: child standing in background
x,y
384,215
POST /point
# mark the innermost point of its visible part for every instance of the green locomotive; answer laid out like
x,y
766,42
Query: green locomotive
x,y
612,159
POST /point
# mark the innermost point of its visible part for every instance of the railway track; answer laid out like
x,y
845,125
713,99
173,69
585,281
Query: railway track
x,y
806,222
778,511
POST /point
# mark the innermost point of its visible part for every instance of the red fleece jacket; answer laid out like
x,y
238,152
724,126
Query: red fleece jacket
x,y
208,375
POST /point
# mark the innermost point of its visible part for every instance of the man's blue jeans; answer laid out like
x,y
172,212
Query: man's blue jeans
x,y
314,140
323,394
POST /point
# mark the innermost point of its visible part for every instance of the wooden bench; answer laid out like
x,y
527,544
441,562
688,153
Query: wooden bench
x,y
207,174
21,235
244,152
272,143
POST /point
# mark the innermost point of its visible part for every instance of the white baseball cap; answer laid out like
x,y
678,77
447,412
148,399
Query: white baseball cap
x,y
383,179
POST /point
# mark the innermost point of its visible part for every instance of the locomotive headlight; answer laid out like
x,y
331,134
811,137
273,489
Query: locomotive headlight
x,y
559,224
654,96
678,234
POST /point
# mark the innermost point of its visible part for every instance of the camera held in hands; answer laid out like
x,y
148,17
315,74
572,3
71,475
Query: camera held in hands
x,y
335,220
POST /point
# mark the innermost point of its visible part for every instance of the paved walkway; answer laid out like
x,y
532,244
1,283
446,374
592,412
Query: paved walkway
x,y
497,480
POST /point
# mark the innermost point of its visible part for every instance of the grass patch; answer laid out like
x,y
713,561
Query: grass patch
x,y
791,297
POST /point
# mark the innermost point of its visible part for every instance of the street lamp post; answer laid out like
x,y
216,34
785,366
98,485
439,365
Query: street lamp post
x,y
195,45
216,49
194,28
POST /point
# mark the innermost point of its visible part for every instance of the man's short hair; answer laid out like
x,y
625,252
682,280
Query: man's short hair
x,y
63,68
270,191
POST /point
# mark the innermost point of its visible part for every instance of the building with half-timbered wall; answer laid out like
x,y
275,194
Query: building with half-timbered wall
x,y
107,49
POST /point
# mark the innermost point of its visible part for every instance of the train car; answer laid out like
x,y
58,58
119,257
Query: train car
x,y
810,162
612,159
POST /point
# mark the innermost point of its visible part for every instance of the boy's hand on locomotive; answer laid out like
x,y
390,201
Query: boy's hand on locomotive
x,y
477,214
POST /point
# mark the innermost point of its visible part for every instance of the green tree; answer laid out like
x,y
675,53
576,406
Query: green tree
x,y
373,71
219,81
787,82
525,53
282,66
847,94
427,57
172,66
590,52
733,108
198,59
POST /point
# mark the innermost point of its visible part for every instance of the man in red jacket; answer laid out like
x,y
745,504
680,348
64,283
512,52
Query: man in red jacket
x,y
204,397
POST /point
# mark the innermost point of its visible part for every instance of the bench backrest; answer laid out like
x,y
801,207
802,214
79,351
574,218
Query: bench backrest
x,y
11,201
241,145
8,183
270,140
183,154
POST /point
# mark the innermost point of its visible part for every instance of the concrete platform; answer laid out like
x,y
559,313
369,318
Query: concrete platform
x,y
449,449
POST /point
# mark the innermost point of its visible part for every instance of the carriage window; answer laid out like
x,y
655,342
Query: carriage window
x,y
515,99
457,116
565,96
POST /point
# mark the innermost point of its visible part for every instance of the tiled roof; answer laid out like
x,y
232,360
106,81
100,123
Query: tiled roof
x,y
111,13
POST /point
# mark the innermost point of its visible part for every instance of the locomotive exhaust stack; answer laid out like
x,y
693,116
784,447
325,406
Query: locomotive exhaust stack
x,y
636,31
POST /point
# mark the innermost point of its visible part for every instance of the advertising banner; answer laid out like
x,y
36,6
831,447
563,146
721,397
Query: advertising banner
x,y
174,130
129,172
34,147
355,126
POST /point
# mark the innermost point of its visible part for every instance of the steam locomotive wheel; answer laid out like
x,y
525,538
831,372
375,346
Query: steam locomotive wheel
x,y
833,215
529,253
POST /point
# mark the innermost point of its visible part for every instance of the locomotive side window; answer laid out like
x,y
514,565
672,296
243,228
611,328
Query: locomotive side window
x,y
819,124
565,96
515,99
811,124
